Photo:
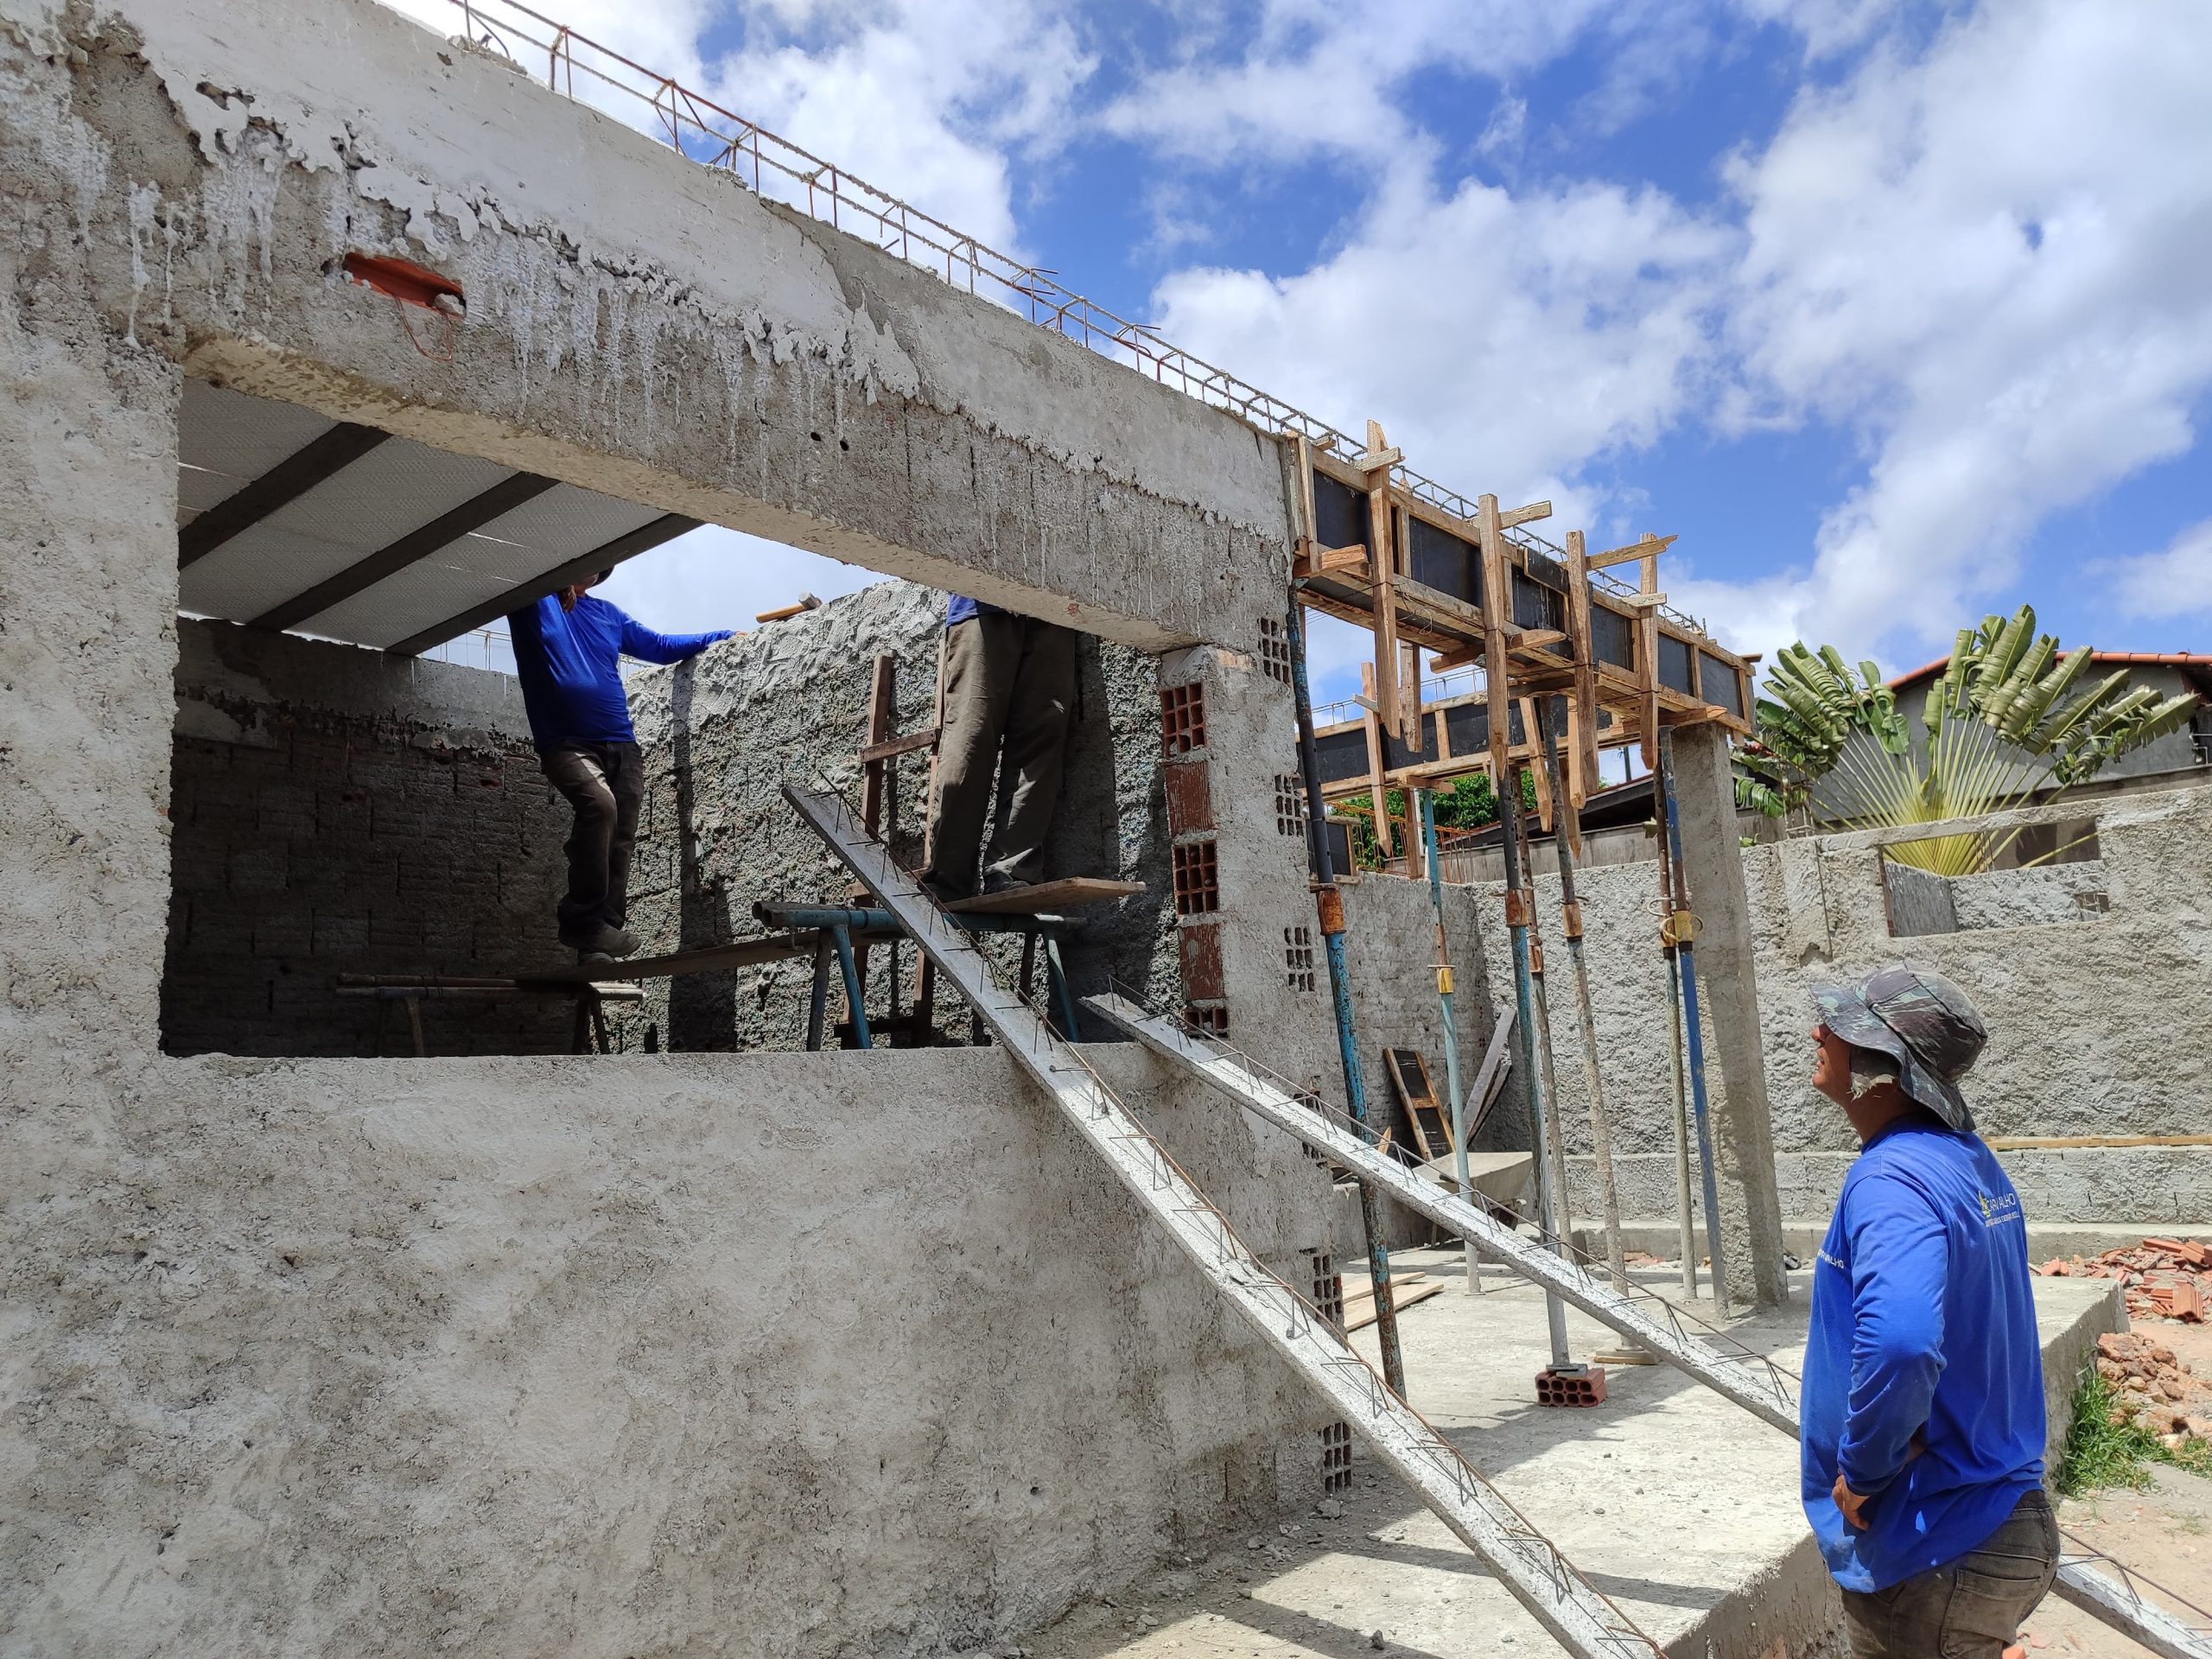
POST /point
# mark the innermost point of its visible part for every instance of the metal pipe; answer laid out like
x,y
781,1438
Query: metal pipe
x,y
1329,902
1552,1156
1565,814
1427,799
818,998
1520,913
1686,959
854,1003
1056,981
1685,1216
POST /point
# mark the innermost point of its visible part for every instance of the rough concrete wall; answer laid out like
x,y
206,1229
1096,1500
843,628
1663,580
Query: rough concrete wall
x,y
1390,952
1389,958
600,1357
337,810
2036,896
789,703
2099,1025
636,323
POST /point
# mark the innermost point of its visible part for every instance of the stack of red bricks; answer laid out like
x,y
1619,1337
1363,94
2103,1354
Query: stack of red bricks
x,y
2155,1387
2162,1278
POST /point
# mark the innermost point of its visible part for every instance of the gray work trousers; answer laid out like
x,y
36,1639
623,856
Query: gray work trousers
x,y
605,785
1971,1609
1009,688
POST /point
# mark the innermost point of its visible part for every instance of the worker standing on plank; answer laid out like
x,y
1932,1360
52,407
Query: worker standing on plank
x,y
568,649
1009,687
1923,1426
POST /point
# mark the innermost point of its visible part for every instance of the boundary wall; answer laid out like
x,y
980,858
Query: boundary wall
x,y
2100,1023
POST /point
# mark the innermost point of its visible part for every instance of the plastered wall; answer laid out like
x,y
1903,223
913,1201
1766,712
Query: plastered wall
x,y
2098,1023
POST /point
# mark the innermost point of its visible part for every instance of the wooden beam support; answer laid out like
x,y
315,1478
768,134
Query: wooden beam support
x,y
1644,547
1647,660
882,715
1527,515
446,529
605,556
1496,671
1582,705
1380,526
1373,726
289,479
890,748
1315,560
1537,770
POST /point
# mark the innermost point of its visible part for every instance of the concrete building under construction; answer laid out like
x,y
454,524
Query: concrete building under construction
x,y
379,1280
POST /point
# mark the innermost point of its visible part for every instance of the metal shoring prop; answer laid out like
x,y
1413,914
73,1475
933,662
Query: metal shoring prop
x,y
1554,1142
1682,924
1428,798
1329,902
1520,915
1685,1213
1601,1132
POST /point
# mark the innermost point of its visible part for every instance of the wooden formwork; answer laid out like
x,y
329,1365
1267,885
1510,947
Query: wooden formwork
x,y
1374,553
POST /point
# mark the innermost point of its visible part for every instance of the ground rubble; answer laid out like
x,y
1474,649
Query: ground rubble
x,y
2160,1278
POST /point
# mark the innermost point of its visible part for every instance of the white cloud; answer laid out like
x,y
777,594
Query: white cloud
x,y
1979,256
716,578
1502,340
1317,78
1988,262
925,99
2175,582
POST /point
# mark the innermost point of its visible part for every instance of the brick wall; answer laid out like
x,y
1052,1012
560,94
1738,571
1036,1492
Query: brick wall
x,y
336,811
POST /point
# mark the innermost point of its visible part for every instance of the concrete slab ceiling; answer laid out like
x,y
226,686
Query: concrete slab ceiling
x,y
288,519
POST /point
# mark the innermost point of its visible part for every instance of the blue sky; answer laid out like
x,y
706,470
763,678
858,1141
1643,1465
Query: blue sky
x,y
1897,313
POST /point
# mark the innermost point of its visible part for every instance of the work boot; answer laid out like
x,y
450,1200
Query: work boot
x,y
601,940
1000,881
945,893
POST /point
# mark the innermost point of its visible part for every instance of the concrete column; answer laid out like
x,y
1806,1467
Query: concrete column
x,y
87,655
1713,864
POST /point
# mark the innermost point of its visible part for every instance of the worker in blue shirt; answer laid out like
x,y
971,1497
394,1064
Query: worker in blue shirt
x,y
1009,690
1922,1414
568,648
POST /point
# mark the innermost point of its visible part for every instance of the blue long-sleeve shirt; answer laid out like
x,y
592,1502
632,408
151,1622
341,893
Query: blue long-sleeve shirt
x,y
960,607
569,666
1923,1323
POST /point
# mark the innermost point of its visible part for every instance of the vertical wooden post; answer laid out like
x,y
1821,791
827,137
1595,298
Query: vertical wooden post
x,y
882,711
1647,659
1582,708
1373,723
1539,773
1382,563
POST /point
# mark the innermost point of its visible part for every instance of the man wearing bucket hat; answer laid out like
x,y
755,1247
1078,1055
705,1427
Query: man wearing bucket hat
x,y
1922,1413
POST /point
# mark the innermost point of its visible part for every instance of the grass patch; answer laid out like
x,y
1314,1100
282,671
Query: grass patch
x,y
2102,1452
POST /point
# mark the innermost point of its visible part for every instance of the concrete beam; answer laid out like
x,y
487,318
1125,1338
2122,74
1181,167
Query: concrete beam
x,y
1712,863
635,323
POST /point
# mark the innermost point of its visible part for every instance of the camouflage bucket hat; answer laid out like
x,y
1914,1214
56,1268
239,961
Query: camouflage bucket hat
x,y
1920,1020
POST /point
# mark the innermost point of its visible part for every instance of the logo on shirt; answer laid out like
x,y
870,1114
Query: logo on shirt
x,y
2000,1208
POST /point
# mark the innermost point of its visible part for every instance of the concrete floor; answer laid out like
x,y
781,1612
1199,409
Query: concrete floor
x,y
1677,1504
